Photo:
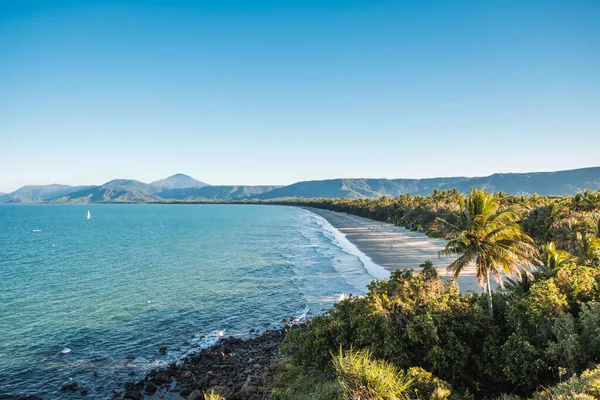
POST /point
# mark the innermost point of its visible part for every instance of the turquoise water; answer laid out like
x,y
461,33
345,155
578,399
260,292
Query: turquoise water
x,y
134,278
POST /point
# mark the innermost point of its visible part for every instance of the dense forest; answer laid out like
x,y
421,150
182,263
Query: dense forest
x,y
534,334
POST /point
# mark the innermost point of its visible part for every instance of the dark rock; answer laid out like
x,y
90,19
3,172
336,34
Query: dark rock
x,y
161,378
83,392
185,391
69,387
196,395
133,394
150,388
163,350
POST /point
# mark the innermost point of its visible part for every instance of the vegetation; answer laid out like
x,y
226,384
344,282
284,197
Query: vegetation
x,y
491,240
546,325
584,387
362,378
214,395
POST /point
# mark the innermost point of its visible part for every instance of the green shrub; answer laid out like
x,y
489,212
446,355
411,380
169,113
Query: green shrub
x,y
363,378
584,387
426,386
293,382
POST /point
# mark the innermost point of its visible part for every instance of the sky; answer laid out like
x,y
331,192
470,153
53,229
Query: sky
x,y
275,92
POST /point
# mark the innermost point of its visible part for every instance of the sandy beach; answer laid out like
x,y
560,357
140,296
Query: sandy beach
x,y
394,247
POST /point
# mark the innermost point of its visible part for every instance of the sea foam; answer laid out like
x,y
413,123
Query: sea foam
x,y
339,239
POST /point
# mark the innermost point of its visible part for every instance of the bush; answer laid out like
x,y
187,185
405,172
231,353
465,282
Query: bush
x,y
292,382
584,387
363,378
426,386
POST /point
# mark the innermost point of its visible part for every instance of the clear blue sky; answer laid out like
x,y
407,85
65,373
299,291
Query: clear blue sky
x,y
273,92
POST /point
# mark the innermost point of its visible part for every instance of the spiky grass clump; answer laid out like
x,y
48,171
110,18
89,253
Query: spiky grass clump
x,y
212,395
364,378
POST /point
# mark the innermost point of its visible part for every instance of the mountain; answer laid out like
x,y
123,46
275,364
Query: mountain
x,y
178,181
543,183
334,188
39,193
214,193
118,190
175,188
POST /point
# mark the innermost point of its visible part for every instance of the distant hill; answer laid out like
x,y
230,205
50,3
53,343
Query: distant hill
x,y
174,188
178,181
334,188
542,183
118,190
39,193
214,193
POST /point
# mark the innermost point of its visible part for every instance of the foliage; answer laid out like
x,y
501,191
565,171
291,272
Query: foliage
x,y
584,387
546,324
426,386
364,378
293,382
492,241
213,395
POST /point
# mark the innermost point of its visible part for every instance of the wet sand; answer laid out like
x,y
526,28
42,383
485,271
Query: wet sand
x,y
394,247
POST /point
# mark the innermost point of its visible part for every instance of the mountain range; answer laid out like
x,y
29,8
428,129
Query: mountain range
x,y
182,187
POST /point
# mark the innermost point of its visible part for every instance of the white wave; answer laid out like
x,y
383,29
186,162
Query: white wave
x,y
66,350
302,316
326,299
340,240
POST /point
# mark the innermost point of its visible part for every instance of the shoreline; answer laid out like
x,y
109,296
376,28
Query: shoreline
x,y
243,369
393,247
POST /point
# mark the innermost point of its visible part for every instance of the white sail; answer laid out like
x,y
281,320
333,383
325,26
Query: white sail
x,y
89,215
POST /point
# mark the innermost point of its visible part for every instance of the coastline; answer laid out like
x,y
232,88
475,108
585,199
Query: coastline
x,y
244,368
392,247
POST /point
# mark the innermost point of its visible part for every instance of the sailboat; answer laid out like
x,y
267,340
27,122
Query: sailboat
x,y
89,215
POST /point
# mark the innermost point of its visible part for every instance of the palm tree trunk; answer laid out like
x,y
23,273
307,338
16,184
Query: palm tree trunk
x,y
490,302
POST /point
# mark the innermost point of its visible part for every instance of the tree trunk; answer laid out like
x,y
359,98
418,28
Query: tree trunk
x,y
490,302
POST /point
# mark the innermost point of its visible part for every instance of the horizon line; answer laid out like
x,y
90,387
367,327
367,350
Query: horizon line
x,y
300,181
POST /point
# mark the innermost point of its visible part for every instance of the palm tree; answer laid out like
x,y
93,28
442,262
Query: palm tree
x,y
493,241
552,259
521,286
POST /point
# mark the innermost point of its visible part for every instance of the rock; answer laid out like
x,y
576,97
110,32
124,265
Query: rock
x,y
83,392
185,375
150,388
70,386
162,351
133,394
185,391
161,378
196,395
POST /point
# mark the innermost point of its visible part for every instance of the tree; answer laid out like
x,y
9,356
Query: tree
x,y
493,241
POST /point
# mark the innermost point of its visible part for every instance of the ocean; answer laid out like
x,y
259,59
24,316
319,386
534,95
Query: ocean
x,y
94,300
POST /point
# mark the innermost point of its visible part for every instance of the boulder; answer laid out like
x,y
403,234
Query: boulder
x,y
150,388
196,395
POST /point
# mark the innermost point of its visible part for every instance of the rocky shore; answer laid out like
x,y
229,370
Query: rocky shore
x,y
241,369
